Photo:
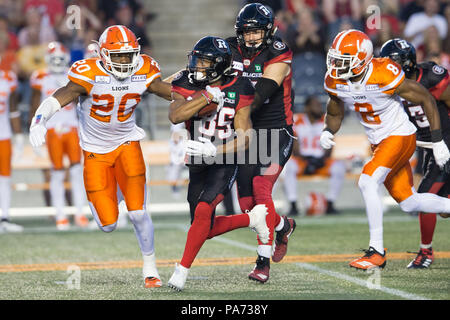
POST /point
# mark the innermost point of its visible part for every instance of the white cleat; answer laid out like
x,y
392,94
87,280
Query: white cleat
x,y
178,278
258,222
7,226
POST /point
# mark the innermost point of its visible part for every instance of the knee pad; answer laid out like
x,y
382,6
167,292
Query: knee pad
x,y
410,204
108,228
138,216
367,182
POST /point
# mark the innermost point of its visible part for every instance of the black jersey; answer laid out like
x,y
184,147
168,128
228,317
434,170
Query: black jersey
x,y
219,127
435,78
277,111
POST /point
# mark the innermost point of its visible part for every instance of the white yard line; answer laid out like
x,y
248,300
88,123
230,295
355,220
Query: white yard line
x,y
363,283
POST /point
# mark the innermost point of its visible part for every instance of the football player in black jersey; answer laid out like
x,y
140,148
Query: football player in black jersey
x,y
215,141
436,79
266,60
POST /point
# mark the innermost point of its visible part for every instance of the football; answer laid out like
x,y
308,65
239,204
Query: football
x,y
207,110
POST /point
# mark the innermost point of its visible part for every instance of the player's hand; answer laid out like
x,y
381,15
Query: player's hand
x,y
441,154
203,147
218,96
326,140
37,132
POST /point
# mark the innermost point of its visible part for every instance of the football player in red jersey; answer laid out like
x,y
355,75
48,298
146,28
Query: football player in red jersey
x,y
215,141
266,60
435,78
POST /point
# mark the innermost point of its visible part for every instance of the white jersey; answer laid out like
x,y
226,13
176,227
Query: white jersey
x,y
47,83
106,113
379,110
308,135
8,83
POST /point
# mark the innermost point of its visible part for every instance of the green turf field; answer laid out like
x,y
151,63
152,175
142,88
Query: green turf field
x,y
41,263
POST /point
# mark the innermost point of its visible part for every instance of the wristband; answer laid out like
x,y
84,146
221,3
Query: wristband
x,y
208,100
329,130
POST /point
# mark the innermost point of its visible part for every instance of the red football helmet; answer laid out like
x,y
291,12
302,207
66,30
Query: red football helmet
x,y
349,55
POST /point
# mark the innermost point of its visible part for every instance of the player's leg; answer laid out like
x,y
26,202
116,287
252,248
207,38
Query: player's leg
x,y
130,173
101,188
5,188
391,155
291,172
336,172
55,146
73,151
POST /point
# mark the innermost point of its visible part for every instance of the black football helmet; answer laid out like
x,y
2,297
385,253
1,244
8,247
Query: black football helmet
x,y
215,50
402,52
254,16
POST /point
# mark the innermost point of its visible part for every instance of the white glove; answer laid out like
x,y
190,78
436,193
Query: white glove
x,y
326,140
37,132
218,96
203,147
441,153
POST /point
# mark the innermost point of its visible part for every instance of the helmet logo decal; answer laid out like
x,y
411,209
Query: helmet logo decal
x,y
264,10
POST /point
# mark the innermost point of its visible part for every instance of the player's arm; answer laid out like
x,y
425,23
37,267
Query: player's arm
x,y
182,110
34,103
14,112
172,76
60,98
333,120
416,93
271,80
242,125
161,88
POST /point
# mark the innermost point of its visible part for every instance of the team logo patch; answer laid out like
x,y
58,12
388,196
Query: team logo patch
x,y
438,69
231,95
342,87
246,62
138,78
279,45
102,79
258,68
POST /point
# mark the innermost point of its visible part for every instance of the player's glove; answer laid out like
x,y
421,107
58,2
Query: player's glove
x,y
37,131
326,140
203,147
441,154
218,96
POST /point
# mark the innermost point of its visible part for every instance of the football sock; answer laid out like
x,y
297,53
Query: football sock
x,y
5,196
425,202
427,225
57,191
264,250
246,203
143,227
197,234
223,224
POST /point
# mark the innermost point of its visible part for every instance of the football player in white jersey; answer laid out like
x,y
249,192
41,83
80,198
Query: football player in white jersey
x,y
308,157
9,117
372,87
109,88
62,135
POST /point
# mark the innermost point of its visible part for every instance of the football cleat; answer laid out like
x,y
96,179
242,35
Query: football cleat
x,y
81,221
423,260
63,224
282,238
7,226
178,278
258,223
260,272
152,282
371,259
